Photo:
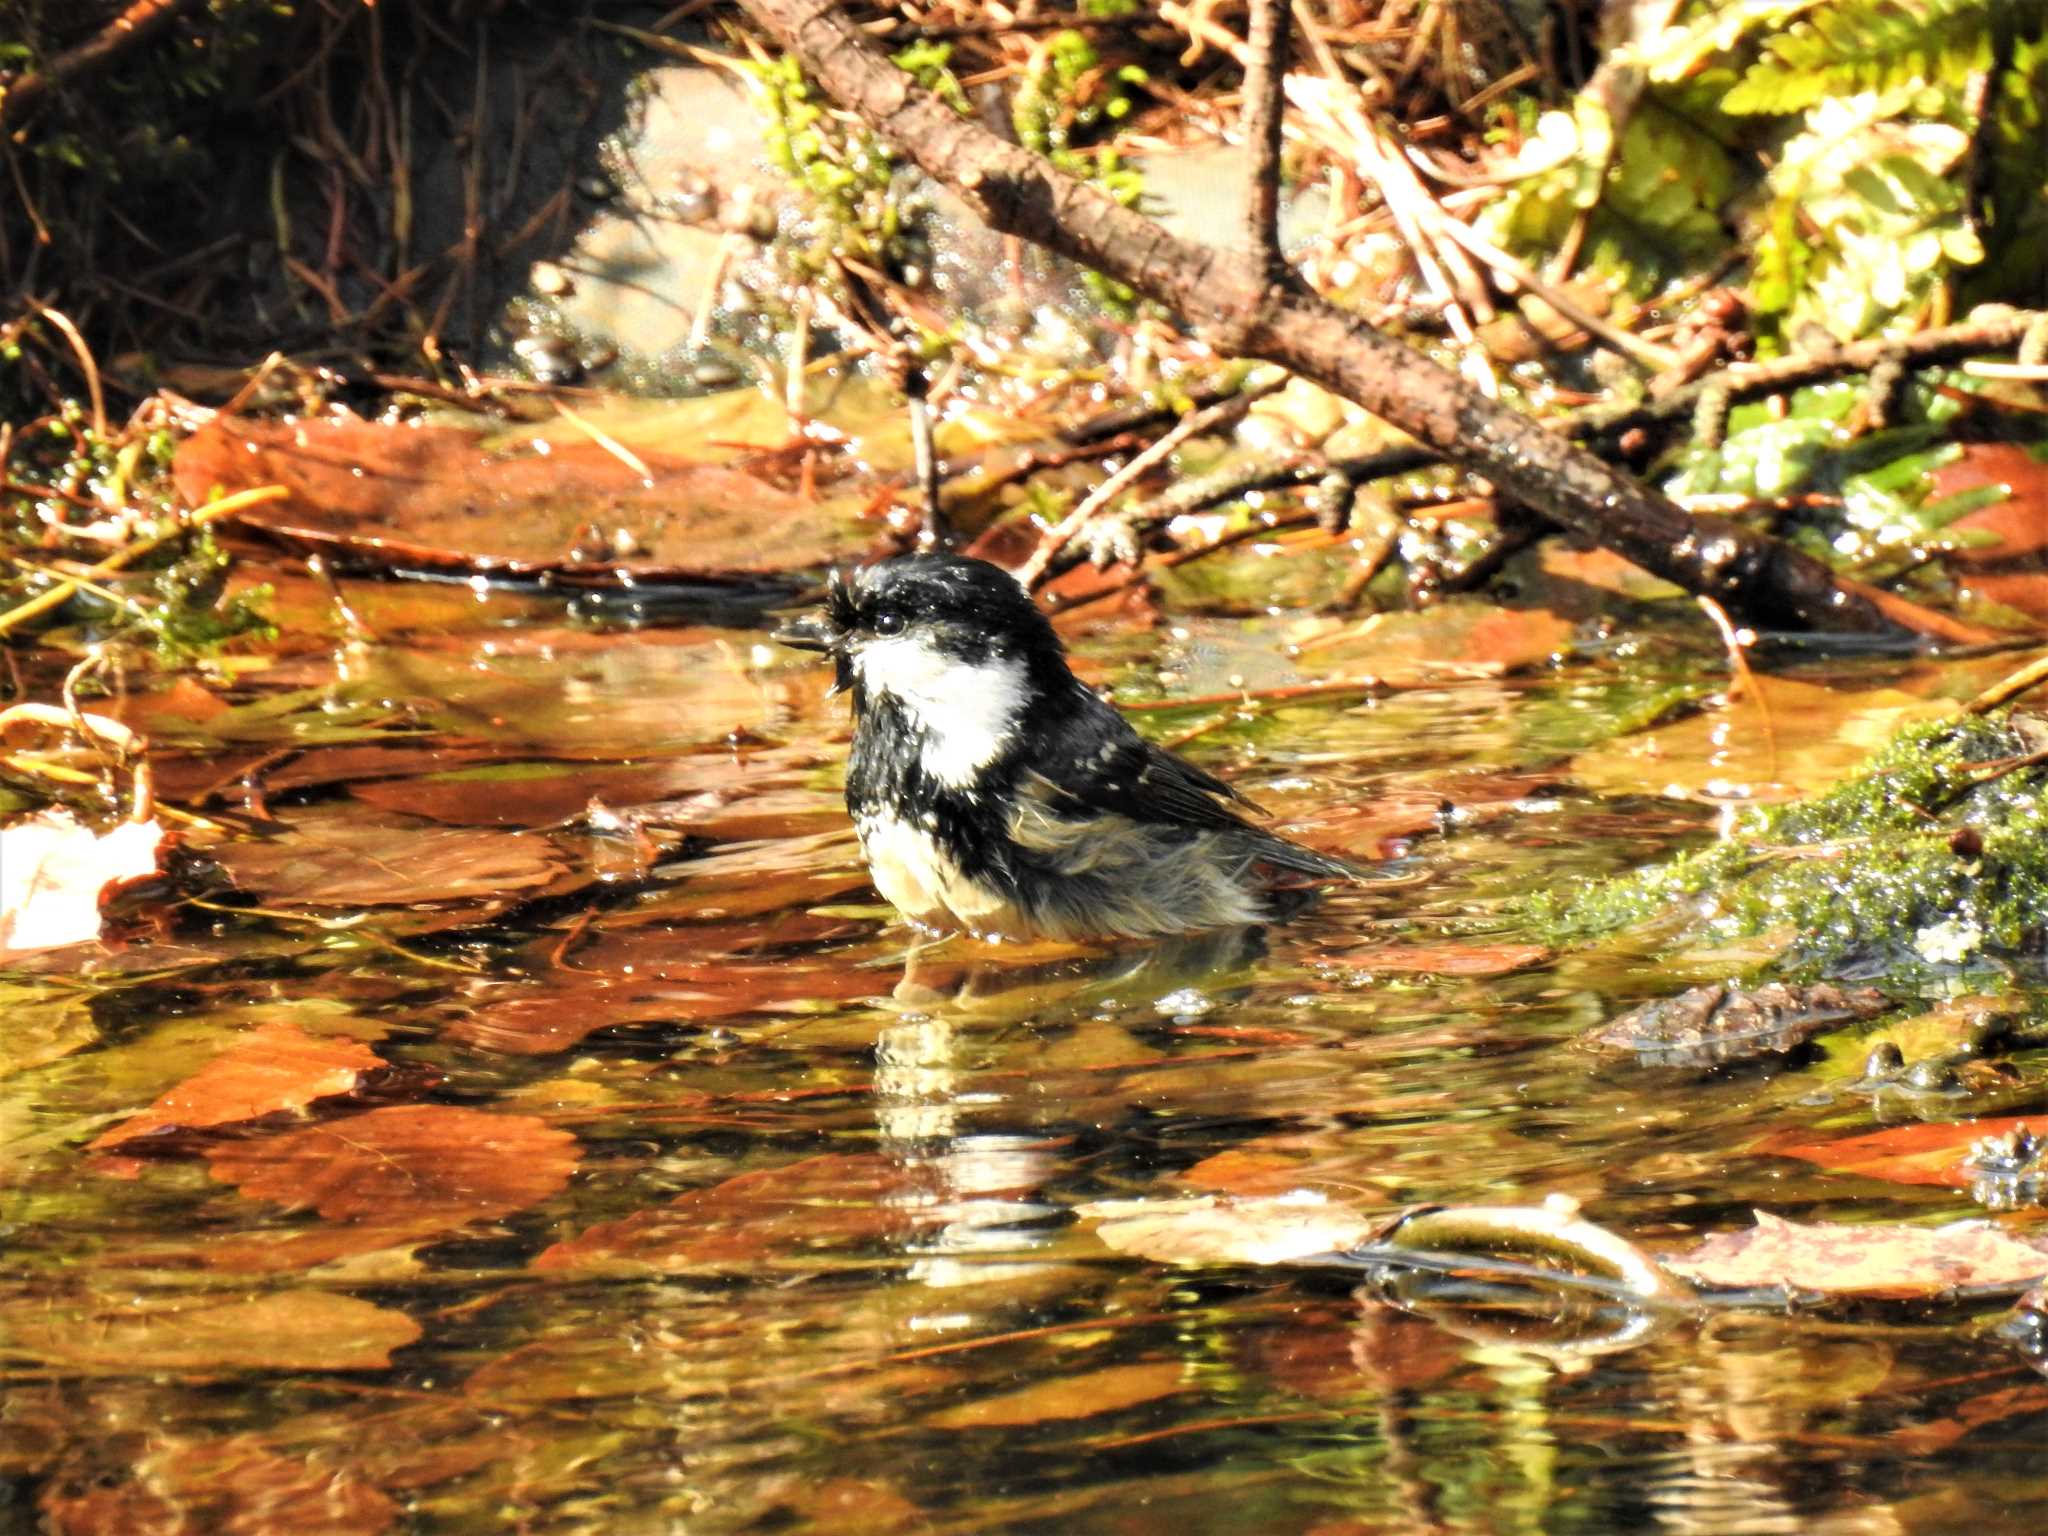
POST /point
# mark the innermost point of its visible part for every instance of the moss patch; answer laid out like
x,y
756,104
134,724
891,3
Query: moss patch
x,y
1932,856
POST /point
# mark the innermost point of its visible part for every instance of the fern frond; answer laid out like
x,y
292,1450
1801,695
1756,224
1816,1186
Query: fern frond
x,y
1868,45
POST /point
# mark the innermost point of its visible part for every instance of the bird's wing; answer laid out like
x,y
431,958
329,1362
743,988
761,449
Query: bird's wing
x,y
1093,762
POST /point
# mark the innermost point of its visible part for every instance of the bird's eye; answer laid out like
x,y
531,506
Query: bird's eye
x,y
888,623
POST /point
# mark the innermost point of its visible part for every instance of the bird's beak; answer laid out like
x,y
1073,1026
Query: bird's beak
x,y
820,634
809,634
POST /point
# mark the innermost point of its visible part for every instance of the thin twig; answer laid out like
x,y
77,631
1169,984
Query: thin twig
x,y
1056,538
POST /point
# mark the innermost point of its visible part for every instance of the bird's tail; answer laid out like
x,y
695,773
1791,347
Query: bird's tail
x,y
1293,858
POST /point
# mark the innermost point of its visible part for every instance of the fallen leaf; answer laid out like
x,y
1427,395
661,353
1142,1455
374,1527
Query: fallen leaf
x,y
277,1069
55,871
1450,640
1207,1230
1440,959
1920,1153
234,1486
445,498
1839,1259
1108,1390
653,976
834,1200
301,1330
331,861
1776,739
2019,522
1713,1025
432,1166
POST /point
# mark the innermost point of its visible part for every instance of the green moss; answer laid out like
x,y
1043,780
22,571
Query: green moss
x,y
1067,94
852,181
1934,854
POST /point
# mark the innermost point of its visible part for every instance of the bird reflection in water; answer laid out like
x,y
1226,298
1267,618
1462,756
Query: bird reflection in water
x,y
977,1160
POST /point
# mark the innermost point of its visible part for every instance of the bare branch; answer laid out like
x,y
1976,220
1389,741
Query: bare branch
x,y
137,24
1226,296
1265,80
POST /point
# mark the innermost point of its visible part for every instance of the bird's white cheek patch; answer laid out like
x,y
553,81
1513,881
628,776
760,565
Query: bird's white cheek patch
x,y
967,710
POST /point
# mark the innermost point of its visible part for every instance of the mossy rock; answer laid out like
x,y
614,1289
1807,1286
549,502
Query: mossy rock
x,y
1931,858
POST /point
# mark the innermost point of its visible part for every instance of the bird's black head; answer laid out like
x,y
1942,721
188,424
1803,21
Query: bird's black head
x,y
934,609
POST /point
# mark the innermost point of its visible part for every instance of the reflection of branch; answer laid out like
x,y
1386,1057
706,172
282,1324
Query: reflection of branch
x,y
140,22
1265,78
1225,296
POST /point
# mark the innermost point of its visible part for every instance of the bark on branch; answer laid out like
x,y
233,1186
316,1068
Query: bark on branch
x,y
1228,298
137,24
1264,93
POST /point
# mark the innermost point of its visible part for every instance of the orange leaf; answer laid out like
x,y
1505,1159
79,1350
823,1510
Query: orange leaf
x,y
1070,1397
278,1068
1904,1154
1441,959
422,1165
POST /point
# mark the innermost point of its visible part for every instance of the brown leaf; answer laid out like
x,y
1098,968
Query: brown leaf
x,y
303,1330
228,1487
444,498
1441,959
658,974
1707,1026
1108,1390
420,1165
278,1068
834,1200
1839,1259
1253,1230
2020,521
1453,639
329,861
54,872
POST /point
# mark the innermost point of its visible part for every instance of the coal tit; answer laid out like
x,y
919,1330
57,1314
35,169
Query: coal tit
x,y
994,793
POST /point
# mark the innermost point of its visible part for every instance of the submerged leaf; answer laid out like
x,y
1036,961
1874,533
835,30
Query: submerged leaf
x,y
1839,1259
1207,1230
1776,740
1108,1390
425,1165
1441,959
234,1486
329,861
302,1330
277,1069
1713,1025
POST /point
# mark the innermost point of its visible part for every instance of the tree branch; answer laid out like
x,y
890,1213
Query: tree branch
x,y
1265,79
1225,295
137,24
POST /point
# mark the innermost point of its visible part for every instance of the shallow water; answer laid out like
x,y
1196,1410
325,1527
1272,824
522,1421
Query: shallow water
x,y
533,1168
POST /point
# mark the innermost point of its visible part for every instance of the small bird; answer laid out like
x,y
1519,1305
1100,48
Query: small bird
x,y
995,794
